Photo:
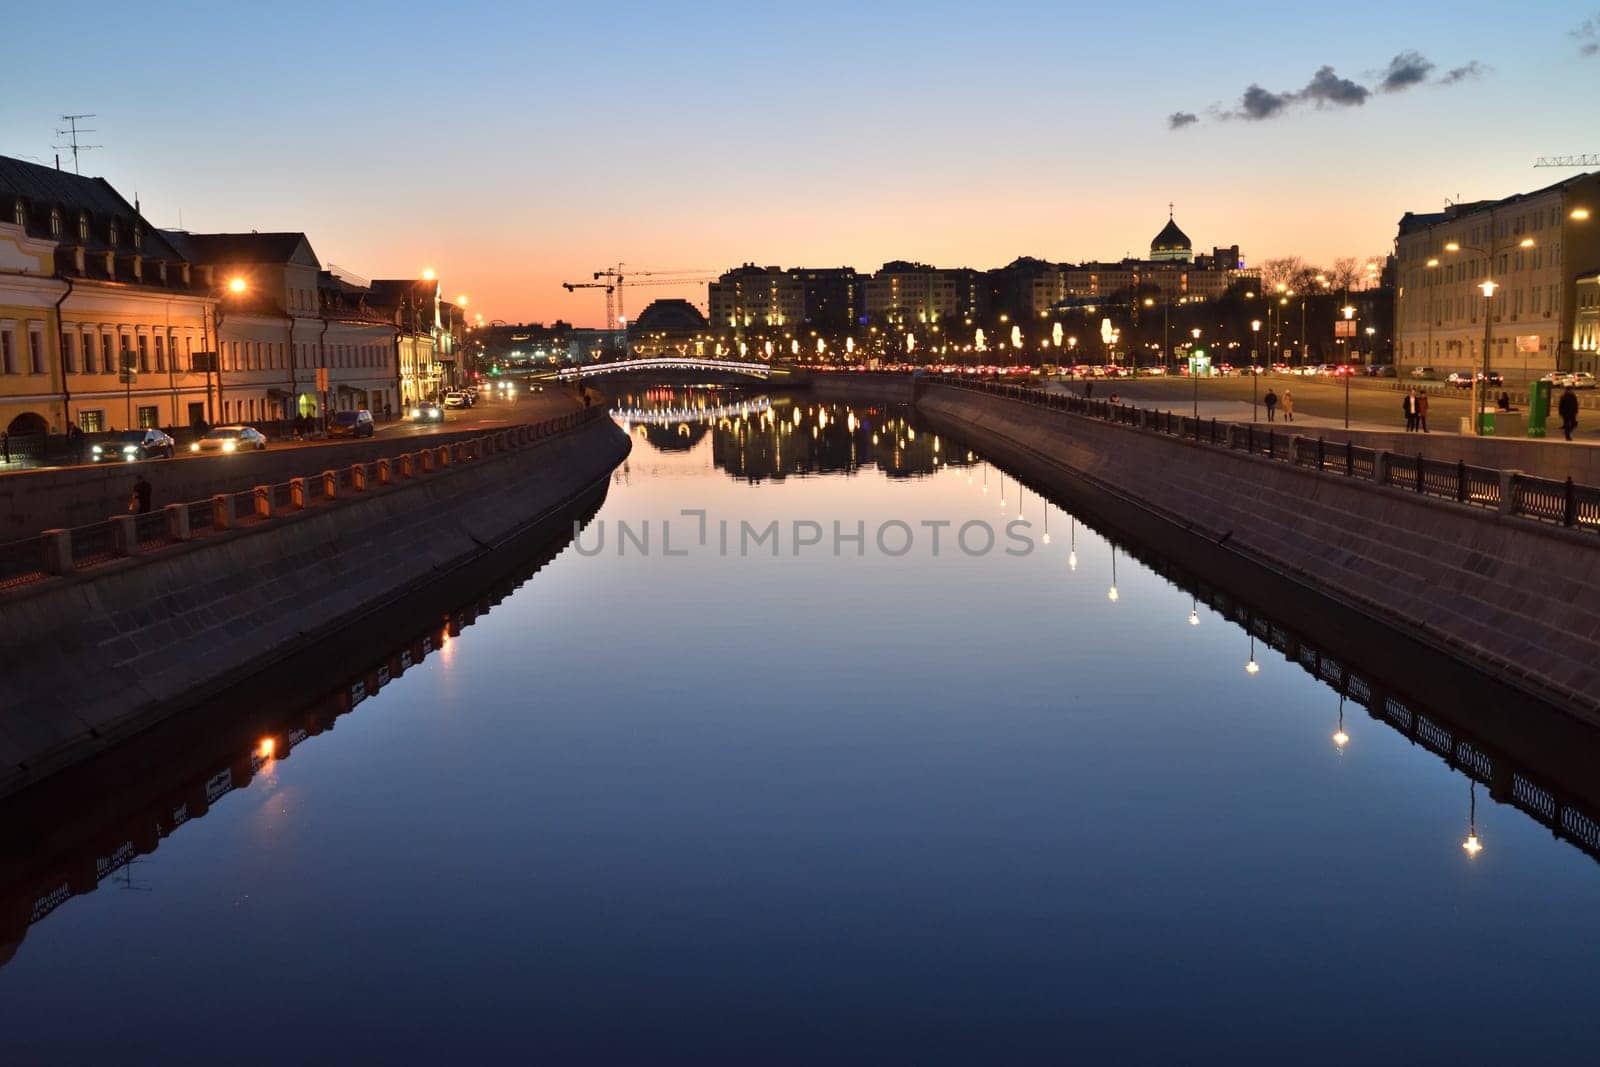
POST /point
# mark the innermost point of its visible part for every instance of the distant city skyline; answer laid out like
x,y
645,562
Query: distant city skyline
x,y
512,150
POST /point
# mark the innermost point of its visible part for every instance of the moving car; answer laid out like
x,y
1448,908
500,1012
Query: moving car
x,y
1459,379
231,439
351,424
427,411
130,445
1423,372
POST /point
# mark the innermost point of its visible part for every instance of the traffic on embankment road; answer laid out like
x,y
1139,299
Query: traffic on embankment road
x,y
60,497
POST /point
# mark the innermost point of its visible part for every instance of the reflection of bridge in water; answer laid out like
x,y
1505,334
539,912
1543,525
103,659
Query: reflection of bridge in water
x,y
196,763
673,363
672,415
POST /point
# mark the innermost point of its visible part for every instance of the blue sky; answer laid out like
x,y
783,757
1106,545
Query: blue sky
x,y
511,146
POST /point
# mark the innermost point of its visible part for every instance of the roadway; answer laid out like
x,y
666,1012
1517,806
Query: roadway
x,y
488,414
1318,402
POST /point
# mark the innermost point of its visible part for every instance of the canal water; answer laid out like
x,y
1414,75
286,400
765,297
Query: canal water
x,y
726,781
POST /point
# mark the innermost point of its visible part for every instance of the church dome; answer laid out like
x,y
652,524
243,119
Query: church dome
x,y
1171,243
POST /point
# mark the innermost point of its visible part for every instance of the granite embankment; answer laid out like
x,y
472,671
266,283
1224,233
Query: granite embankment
x,y
36,500
1449,582
1504,594
95,656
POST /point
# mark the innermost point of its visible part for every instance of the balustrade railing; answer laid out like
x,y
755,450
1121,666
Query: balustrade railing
x,y
1539,499
63,551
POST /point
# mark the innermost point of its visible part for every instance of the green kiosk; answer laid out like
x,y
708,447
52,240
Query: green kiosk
x,y
1538,407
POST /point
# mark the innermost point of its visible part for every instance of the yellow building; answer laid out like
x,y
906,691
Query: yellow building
x,y
100,316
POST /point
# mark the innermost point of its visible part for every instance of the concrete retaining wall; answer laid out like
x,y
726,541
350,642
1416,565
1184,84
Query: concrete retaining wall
x,y
1505,595
97,656
1550,458
36,500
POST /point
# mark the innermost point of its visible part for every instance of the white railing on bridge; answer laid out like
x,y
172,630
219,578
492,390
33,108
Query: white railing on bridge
x,y
755,370
656,416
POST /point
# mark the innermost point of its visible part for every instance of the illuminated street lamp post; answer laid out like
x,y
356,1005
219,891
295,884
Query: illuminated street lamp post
x,y
1194,375
1349,316
1255,373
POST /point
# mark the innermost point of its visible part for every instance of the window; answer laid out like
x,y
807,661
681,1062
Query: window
x,y
111,234
36,350
144,354
69,358
92,421
8,350
161,353
55,222
108,354
19,214
83,226
148,419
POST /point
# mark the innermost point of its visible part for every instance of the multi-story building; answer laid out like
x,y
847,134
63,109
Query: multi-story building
x,y
751,296
279,320
413,305
911,294
100,316
832,297
1586,322
1533,246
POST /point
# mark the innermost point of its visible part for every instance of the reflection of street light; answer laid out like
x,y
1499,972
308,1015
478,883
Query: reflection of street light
x,y
1472,845
1194,612
1112,594
1072,543
1252,667
1340,738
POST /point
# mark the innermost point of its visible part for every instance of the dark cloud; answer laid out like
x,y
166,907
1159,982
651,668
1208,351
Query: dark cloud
x,y
1326,87
1258,103
1179,119
1588,36
1468,72
1405,70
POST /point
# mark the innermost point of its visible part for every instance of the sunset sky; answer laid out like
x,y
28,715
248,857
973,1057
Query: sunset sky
x,y
515,146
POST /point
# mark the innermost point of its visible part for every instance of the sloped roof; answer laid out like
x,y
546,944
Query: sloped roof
x,y
240,247
42,188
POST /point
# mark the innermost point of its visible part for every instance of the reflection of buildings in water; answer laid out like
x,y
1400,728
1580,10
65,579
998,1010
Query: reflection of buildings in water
x,y
828,439
202,760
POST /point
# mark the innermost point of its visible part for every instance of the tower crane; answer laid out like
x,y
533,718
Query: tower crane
x,y
624,280
610,289
1565,161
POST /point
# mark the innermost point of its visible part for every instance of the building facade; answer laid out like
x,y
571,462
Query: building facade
x,y
1533,246
100,316
756,297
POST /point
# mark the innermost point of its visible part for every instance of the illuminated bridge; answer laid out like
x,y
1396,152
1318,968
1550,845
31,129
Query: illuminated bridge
x,y
657,416
655,363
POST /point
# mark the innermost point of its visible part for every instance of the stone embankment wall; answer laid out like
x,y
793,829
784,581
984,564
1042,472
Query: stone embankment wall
x,y
1508,596
1550,458
95,656
36,500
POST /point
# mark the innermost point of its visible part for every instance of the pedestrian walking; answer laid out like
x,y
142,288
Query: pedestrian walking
x,y
1088,390
1568,410
140,500
1408,404
1287,402
1422,412
1271,403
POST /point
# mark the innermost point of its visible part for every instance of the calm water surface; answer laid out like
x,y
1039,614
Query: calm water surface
x,y
856,807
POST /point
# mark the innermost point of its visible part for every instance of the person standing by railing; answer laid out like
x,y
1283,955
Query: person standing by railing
x,y
1567,408
1422,412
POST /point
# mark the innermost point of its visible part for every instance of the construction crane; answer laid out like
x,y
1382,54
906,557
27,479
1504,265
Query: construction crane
x,y
611,290
1568,161
661,277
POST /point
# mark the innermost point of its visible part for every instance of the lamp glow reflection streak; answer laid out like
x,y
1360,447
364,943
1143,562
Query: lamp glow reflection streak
x,y
1112,594
1252,667
1340,738
1072,543
1472,846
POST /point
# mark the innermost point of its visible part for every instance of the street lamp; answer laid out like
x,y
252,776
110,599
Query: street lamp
x,y
1194,375
1349,316
1255,371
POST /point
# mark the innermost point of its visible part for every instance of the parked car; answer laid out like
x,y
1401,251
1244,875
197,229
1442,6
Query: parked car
x,y
427,411
231,439
1424,372
1380,370
456,400
351,424
1459,380
131,445
1580,380
1493,377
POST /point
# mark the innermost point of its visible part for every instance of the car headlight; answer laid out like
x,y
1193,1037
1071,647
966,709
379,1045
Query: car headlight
x,y
195,447
130,448
97,450
416,413
229,446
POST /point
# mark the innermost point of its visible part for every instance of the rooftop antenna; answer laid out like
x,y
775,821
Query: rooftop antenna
x,y
71,133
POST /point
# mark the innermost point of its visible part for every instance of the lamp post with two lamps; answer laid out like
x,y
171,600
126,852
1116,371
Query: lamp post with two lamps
x,y
1480,381
1255,369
